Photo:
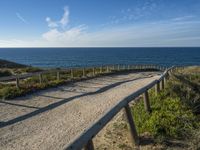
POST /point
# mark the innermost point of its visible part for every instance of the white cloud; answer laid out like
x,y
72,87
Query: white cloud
x,y
51,23
66,36
65,19
137,12
62,22
182,18
149,34
21,18
57,33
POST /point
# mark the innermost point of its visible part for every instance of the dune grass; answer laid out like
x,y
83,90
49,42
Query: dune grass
x,y
175,111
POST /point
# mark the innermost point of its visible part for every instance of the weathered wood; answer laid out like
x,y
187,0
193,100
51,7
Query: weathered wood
x,y
93,72
17,82
83,72
132,125
162,84
40,78
165,80
89,145
58,75
113,67
107,69
157,88
146,102
101,69
72,74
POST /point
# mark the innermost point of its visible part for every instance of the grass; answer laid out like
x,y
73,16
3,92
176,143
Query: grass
x,y
175,111
32,84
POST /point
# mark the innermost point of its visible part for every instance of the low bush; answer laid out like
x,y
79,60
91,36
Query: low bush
x,y
10,92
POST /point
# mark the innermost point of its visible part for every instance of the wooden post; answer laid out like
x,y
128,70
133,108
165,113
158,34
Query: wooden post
x,y
165,80
72,74
118,67
131,124
146,102
89,145
40,78
83,72
157,88
17,82
107,69
101,69
162,84
58,75
128,67
93,71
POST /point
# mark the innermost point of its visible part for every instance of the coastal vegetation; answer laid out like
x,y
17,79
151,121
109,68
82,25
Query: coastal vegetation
x,y
175,116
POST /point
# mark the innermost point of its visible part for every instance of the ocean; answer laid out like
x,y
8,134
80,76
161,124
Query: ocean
x,y
83,57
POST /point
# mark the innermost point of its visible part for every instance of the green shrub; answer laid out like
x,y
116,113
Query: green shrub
x,y
10,92
170,118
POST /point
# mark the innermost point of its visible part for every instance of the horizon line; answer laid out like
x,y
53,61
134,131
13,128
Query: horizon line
x,y
111,47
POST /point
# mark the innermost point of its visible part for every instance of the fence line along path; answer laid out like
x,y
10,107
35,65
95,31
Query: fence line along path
x,y
80,72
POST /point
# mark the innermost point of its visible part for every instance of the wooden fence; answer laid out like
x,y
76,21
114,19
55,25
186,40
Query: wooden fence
x,y
93,72
85,139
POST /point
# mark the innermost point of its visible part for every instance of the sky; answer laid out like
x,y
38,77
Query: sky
x,y
99,23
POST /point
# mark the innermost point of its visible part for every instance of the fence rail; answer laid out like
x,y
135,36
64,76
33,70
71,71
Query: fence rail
x,y
85,139
101,69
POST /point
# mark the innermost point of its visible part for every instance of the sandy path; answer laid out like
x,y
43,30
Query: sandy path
x,y
53,118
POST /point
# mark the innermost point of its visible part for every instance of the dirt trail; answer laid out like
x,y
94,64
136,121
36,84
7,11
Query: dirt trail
x,y
53,118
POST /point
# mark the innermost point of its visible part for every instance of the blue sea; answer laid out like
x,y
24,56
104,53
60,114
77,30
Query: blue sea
x,y
82,57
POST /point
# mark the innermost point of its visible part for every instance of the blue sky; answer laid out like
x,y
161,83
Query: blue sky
x,y
71,23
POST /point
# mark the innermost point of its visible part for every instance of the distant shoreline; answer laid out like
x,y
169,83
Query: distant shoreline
x,y
10,64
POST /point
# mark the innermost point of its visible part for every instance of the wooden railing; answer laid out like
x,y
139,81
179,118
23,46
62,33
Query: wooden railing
x,y
93,72
85,139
